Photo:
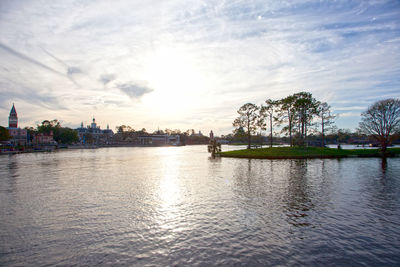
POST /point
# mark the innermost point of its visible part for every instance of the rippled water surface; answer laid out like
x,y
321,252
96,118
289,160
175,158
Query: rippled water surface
x,y
176,206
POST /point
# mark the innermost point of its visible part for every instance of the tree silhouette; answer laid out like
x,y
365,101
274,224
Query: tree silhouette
x,y
381,121
4,135
268,111
287,113
327,119
247,119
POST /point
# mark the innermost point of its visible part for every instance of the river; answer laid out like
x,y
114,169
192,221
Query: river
x,y
177,206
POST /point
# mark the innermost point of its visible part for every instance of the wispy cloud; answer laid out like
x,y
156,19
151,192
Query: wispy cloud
x,y
29,95
70,70
203,59
73,70
28,59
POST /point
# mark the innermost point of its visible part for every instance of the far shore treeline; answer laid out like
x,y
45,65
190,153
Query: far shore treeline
x,y
62,135
306,121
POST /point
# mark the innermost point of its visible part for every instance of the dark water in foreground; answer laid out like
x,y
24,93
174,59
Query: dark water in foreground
x,y
176,206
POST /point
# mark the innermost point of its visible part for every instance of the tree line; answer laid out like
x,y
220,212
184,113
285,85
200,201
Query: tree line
x,y
296,115
126,133
299,114
62,135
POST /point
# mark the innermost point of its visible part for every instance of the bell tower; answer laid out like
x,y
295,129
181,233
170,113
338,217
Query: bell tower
x,y
13,118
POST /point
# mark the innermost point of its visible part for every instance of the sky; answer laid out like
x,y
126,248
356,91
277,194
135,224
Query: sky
x,y
183,64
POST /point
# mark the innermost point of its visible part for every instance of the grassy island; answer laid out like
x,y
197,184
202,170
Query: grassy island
x,y
306,152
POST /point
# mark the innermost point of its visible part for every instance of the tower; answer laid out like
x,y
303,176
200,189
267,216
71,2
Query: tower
x,y
13,118
93,124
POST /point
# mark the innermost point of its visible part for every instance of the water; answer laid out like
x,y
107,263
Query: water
x,y
176,206
346,146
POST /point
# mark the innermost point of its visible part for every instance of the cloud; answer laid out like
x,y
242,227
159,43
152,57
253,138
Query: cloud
x,y
73,70
29,59
56,58
70,70
107,78
349,114
134,90
350,108
213,55
25,94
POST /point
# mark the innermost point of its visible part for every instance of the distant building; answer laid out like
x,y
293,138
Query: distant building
x,y
196,134
18,135
94,134
13,118
159,140
43,138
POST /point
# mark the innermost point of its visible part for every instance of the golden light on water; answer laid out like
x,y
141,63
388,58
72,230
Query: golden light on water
x,y
169,190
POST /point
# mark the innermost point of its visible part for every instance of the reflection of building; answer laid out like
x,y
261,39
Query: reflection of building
x,y
94,134
159,140
18,135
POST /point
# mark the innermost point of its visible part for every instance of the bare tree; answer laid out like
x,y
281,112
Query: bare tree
x,y
381,120
247,119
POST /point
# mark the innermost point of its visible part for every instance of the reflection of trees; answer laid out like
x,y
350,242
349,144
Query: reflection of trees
x,y
244,179
384,165
258,192
297,197
383,184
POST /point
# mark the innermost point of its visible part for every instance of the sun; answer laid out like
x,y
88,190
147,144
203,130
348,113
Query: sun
x,y
176,78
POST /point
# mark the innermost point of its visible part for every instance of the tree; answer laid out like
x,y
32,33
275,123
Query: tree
x,y
239,135
247,119
327,119
287,112
306,107
381,121
261,120
121,129
67,136
269,110
343,135
130,129
48,126
31,132
4,134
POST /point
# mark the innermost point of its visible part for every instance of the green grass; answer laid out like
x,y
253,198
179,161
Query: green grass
x,y
305,152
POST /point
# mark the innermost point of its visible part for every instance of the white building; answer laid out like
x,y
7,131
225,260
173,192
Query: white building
x,y
94,133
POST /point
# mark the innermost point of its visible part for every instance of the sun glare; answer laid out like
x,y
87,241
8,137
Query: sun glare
x,y
176,79
170,192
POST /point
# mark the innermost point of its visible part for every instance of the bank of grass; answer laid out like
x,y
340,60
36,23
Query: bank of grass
x,y
306,152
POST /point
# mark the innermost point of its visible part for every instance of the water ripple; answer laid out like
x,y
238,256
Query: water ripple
x,y
176,206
